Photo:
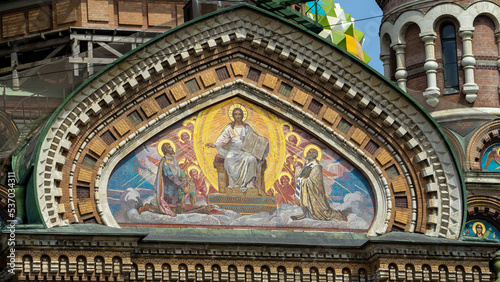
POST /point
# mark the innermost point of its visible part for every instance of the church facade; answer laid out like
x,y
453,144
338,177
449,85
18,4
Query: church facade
x,y
243,147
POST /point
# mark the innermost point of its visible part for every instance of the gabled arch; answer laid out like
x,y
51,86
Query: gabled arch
x,y
240,38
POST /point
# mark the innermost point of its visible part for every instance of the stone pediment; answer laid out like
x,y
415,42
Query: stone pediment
x,y
247,53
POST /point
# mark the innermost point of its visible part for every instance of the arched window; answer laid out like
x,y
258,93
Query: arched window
x,y
297,274
63,264
393,272
215,273
476,274
183,272
117,265
330,274
233,273
165,272
450,61
362,275
45,260
460,273
27,263
150,270
346,275
199,272
99,265
281,274
443,273
133,272
426,273
265,274
314,274
81,265
410,272
248,273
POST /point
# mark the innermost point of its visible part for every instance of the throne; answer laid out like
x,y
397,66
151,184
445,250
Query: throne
x,y
252,201
223,178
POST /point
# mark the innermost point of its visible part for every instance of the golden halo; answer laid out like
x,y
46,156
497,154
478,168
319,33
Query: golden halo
x,y
313,146
294,134
289,125
476,224
285,173
179,134
243,109
191,167
188,121
498,151
158,148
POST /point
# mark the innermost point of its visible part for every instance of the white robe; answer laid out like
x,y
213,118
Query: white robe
x,y
240,166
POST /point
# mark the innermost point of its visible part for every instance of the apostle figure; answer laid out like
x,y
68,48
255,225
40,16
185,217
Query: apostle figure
x,y
310,191
170,188
240,166
479,230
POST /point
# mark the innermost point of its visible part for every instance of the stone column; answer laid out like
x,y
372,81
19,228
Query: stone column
x,y
497,35
431,93
470,88
401,72
386,59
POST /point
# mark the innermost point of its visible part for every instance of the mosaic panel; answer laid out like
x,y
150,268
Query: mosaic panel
x,y
237,165
481,229
491,158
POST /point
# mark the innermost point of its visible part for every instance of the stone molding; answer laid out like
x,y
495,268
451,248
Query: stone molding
x,y
338,70
377,260
461,113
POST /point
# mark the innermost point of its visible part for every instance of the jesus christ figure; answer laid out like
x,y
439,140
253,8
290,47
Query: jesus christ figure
x,y
240,166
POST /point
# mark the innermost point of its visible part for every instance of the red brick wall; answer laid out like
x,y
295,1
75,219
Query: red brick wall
x,y
485,49
415,59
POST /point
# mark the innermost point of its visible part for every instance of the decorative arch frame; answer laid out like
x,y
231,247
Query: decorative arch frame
x,y
478,141
484,208
241,37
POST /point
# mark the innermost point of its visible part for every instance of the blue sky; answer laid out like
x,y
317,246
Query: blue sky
x,y
362,9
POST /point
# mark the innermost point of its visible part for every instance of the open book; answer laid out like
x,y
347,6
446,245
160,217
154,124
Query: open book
x,y
255,145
